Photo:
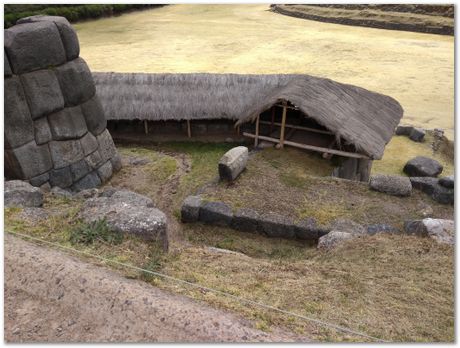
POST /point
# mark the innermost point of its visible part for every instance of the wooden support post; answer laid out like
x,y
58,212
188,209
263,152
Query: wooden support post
x,y
189,129
283,124
146,127
256,138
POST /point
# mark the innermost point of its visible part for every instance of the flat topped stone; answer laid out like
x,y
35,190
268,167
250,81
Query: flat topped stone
x,y
22,194
423,166
333,239
190,210
233,163
391,184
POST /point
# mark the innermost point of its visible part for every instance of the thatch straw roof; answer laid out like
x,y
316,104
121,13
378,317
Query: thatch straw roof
x,y
360,117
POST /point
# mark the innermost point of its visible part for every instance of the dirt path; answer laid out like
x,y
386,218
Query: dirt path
x,y
51,296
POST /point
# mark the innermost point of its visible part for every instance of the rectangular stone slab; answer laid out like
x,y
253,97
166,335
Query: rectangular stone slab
x,y
42,131
42,92
19,127
28,161
94,115
76,82
64,153
68,123
34,46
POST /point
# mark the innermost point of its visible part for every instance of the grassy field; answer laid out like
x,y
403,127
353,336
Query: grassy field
x,y
394,287
416,69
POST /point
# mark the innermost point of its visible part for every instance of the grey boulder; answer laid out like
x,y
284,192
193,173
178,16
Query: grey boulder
x,y
19,193
233,162
308,229
442,231
434,189
216,213
423,166
391,184
246,220
277,226
417,134
349,226
447,181
333,239
89,181
190,210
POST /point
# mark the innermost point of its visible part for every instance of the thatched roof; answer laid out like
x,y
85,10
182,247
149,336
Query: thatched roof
x,y
360,117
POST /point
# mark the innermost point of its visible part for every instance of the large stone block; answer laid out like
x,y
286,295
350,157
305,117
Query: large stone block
x,y
216,213
76,82
89,181
42,92
277,226
107,148
27,161
68,35
94,115
6,65
21,194
34,46
42,131
308,229
94,159
79,170
64,153
391,184
105,171
116,163
190,210
423,166
61,177
89,143
233,162
19,128
39,180
246,220
68,123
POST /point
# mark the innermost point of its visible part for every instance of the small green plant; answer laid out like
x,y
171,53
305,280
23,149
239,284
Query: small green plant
x,y
154,264
88,233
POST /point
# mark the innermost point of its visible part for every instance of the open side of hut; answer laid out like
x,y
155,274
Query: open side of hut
x,y
349,124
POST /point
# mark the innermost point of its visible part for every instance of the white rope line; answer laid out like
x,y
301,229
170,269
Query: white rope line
x,y
237,298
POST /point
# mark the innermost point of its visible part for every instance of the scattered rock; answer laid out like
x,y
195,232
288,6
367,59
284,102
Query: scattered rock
x,y
381,228
391,184
88,193
33,214
190,211
423,166
308,229
277,226
246,220
447,181
138,161
333,239
216,213
22,194
233,163
440,230
432,187
417,134
59,192
127,212
349,226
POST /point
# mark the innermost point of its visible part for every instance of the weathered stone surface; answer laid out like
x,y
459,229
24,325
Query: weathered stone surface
x,y
391,184
404,130
277,226
308,229
88,193
128,197
138,161
68,123
105,171
381,228
349,226
438,229
233,163
94,115
116,163
76,82
216,213
64,153
46,187
19,193
60,192
246,220
190,210
423,166
68,35
94,160
34,46
107,148
89,143
447,181
125,217
27,161
33,214
42,131
417,134
61,177
432,187
19,128
89,181
333,239
42,92
6,65
79,170
39,180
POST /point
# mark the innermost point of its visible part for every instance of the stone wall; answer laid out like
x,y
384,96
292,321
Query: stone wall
x,y
55,128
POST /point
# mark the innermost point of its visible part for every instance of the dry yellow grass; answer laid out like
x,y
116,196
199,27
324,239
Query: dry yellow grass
x,y
416,69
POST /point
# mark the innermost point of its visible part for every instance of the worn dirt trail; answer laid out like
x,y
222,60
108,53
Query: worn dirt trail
x,y
51,296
